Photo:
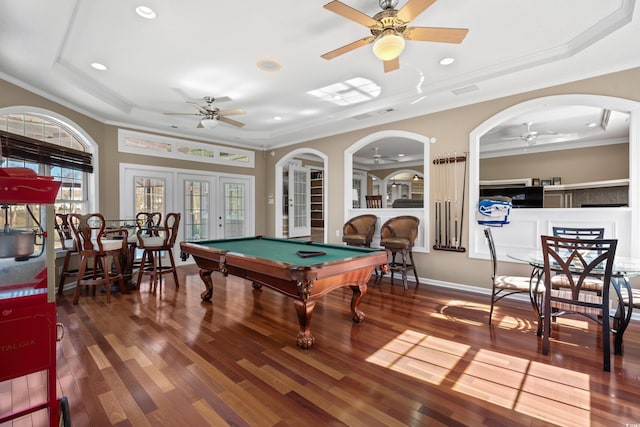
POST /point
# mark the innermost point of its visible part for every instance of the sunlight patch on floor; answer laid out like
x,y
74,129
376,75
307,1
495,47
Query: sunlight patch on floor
x,y
551,394
420,356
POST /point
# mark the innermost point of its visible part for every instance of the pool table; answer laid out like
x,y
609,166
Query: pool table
x,y
289,267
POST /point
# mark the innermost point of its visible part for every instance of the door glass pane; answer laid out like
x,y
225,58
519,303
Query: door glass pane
x,y
196,205
300,198
150,194
234,210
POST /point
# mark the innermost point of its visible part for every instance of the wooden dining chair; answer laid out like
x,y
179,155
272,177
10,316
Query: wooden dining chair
x,y
504,286
99,249
579,261
374,201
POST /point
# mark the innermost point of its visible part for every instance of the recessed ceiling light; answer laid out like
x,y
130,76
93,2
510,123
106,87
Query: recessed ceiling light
x,y
268,65
146,12
277,118
447,61
592,125
99,66
401,155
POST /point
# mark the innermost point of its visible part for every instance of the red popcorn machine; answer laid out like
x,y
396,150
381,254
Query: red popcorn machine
x,y
28,327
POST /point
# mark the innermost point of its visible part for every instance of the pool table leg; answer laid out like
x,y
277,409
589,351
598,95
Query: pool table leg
x,y
304,310
358,292
205,275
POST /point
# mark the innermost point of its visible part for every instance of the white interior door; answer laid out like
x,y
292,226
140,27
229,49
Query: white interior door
x,y
235,214
299,201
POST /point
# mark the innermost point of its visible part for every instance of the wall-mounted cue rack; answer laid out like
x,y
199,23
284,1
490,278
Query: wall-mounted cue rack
x,y
450,177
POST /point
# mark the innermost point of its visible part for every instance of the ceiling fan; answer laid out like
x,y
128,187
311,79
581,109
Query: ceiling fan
x,y
377,157
212,115
531,136
389,30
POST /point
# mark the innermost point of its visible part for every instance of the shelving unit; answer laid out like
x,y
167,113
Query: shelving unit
x,y
317,199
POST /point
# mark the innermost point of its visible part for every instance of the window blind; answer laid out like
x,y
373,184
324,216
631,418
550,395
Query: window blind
x,y
20,147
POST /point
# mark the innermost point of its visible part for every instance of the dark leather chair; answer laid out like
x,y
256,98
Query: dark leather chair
x,y
154,241
359,230
503,286
398,235
98,249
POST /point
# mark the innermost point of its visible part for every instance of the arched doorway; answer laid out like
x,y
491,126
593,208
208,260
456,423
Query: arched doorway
x,y
319,161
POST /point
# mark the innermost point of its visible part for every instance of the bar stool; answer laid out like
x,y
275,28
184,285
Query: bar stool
x,y
154,241
359,230
398,235
98,252
68,244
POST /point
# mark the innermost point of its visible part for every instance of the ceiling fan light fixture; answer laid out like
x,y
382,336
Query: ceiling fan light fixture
x,y
209,123
388,47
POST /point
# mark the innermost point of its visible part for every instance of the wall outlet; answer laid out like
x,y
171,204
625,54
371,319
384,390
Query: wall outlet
x,y
337,233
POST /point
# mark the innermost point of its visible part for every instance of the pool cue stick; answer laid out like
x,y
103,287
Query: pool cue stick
x,y
455,199
446,201
464,181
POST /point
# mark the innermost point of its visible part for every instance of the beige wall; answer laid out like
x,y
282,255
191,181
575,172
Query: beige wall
x,y
109,158
451,129
573,166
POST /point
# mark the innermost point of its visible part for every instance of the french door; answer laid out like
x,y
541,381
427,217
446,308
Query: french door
x,y
299,201
213,206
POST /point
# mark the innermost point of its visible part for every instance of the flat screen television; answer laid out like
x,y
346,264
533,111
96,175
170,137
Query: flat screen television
x,y
521,197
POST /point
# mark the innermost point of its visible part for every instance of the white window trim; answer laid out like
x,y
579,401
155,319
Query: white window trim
x,y
123,134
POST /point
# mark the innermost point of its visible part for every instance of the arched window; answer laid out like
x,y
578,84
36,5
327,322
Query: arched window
x,y
74,192
78,192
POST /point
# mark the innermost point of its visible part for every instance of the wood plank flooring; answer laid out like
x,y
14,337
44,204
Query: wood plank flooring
x,y
422,357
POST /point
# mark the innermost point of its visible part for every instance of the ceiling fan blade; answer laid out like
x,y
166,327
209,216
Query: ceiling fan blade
x,y
413,8
222,99
198,107
350,13
236,112
436,34
182,114
348,48
391,65
230,122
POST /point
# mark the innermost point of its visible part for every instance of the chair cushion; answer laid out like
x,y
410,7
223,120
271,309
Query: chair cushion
x,y
108,244
582,296
355,239
636,298
396,243
589,283
152,241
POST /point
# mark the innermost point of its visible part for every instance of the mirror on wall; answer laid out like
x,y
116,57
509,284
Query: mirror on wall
x,y
567,156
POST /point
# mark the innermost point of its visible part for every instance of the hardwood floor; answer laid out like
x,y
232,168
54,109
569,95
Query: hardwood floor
x,y
422,357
